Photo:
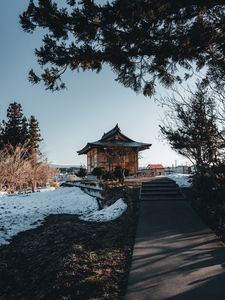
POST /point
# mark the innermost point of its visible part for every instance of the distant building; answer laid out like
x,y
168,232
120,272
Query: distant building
x,y
67,172
70,170
156,169
152,170
183,169
113,149
179,169
169,170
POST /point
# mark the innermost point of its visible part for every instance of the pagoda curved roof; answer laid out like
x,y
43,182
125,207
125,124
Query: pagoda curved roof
x,y
113,139
113,132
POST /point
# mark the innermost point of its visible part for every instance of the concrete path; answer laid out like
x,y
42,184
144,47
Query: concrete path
x,y
175,255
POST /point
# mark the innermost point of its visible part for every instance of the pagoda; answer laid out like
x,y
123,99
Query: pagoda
x,y
113,149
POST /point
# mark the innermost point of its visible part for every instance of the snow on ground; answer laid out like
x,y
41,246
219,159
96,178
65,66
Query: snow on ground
x,y
183,180
47,189
93,186
3,194
22,212
108,213
94,193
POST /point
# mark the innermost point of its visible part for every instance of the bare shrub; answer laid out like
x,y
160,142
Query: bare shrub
x,y
21,171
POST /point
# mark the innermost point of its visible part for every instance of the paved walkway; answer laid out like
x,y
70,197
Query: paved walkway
x,y
175,255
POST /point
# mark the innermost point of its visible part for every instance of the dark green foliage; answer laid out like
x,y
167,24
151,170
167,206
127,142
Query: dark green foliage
x,y
144,42
209,182
98,171
126,173
108,176
194,132
120,173
15,129
1,137
82,172
34,135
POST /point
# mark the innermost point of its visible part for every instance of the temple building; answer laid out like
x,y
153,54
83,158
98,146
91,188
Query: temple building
x,y
113,149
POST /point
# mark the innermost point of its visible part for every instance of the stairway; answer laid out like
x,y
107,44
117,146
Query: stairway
x,y
161,189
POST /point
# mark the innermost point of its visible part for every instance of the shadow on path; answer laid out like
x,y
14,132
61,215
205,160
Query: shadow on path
x,y
175,256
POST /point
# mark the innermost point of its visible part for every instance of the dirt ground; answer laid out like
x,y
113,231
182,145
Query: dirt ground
x,y
69,259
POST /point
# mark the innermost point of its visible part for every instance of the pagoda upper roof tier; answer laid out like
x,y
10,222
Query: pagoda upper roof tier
x,y
114,139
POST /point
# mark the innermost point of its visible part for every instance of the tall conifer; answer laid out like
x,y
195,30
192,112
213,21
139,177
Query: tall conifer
x,y
14,131
34,135
1,141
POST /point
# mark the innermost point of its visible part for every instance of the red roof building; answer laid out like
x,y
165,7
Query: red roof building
x,y
156,169
152,170
155,166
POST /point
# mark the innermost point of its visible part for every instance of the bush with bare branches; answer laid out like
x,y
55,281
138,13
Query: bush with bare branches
x,y
22,172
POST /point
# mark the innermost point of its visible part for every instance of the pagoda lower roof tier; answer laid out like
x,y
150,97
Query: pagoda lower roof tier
x,y
114,144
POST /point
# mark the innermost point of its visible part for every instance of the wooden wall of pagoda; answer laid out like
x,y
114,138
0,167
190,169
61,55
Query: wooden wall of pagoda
x,y
100,158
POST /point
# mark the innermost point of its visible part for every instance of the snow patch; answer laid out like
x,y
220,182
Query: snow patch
x,y
182,180
48,189
94,193
93,187
24,211
3,194
108,213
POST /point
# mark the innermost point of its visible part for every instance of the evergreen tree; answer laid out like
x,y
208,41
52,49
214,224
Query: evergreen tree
x,y
14,130
24,131
34,135
98,171
1,141
144,42
193,132
1,138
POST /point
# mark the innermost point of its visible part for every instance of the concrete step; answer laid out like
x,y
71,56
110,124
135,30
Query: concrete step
x,y
159,188
159,181
169,188
165,192
163,198
160,184
143,193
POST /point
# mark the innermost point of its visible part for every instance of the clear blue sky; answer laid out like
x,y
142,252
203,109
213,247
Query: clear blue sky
x,y
92,104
